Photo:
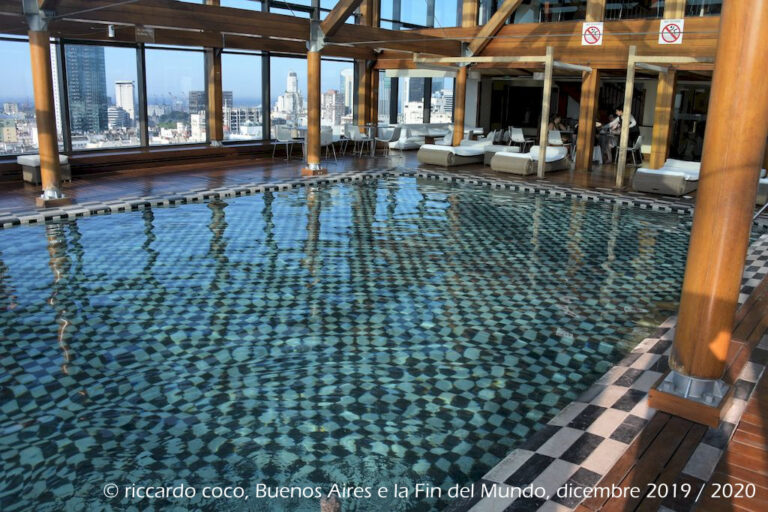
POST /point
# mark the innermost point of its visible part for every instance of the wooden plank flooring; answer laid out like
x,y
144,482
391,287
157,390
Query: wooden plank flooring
x,y
15,195
661,451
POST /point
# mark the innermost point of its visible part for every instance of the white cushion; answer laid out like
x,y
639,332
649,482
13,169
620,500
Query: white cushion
x,y
456,150
436,147
688,176
523,156
500,148
554,153
34,160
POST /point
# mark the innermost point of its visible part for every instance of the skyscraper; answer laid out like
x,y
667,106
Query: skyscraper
x,y
347,87
332,108
87,88
197,102
124,97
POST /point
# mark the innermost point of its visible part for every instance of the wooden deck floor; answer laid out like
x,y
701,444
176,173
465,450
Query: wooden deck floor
x,y
661,451
103,186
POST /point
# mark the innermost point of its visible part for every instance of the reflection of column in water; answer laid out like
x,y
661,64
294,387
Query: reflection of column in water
x,y
6,290
311,249
60,265
606,287
217,251
575,253
149,238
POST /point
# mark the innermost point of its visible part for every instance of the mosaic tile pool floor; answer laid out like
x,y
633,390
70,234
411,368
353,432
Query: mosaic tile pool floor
x,y
398,330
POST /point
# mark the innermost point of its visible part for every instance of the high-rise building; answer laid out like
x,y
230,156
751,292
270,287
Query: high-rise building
x,y
87,88
10,108
197,102
290,104
117,118
385,96
332,108
348,88
124,97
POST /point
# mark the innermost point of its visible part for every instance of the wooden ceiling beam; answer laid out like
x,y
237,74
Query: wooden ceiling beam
x,y
338,16
494,24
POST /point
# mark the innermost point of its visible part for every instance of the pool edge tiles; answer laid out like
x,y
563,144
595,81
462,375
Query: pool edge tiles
x,y
127,204
583,442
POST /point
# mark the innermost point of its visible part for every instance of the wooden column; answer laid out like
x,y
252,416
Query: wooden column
x,y
215,108
469,13
595,10
313,115
363,94
629,89
373,104
585,142
662,118
765,160
545,104
215,96
45,118
459,105
674,9
734,148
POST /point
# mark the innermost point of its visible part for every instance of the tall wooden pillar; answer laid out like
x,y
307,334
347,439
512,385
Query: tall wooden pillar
x,y
469,13
215,108
363,94
459,104
373,104
662,119
313,115
215,96
724,202
590,91
45,118
674,9
595,10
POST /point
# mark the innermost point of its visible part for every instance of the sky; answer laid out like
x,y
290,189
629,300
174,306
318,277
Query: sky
x,y
175,73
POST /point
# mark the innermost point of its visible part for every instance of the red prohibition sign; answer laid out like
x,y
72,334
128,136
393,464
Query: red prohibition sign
x,y
592,35
670,33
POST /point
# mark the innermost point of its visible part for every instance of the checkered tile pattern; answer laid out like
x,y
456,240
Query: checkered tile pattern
x,y
394,330
580,445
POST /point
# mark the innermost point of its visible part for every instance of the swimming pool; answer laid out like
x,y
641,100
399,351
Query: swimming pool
x,y
396,330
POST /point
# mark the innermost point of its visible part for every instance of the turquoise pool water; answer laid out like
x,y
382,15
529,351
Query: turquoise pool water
x,y
393,331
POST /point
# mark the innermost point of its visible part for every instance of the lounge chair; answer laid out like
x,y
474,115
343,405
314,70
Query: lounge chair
x,y
527,163
449,156
675,178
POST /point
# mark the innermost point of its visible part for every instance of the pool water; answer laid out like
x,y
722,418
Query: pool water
x,y
397,330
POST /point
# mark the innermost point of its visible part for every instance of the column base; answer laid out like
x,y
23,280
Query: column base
x,y
701,400
42,202
317,171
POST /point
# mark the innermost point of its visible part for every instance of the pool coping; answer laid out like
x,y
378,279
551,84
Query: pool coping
x,y
581,443
133,203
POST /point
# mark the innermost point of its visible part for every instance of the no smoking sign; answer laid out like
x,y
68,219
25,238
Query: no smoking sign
x,y
592,33
671,31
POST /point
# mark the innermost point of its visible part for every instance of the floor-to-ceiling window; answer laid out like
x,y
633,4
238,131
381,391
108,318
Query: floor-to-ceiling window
x,y
242,103
411,97
101,87
441,102
632,9
536,11
337,93
703,7
18,128
177,102
288,84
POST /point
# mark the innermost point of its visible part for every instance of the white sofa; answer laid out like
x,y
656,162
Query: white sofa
x,y
679,177
412,135
527,163
469,152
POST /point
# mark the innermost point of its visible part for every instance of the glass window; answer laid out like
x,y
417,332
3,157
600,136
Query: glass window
x,y
241,89
288,87
337,93
415,12
176,97
18,128
631,9
102,94
538,11
441,104
703,7
242,4
385,96
411,96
